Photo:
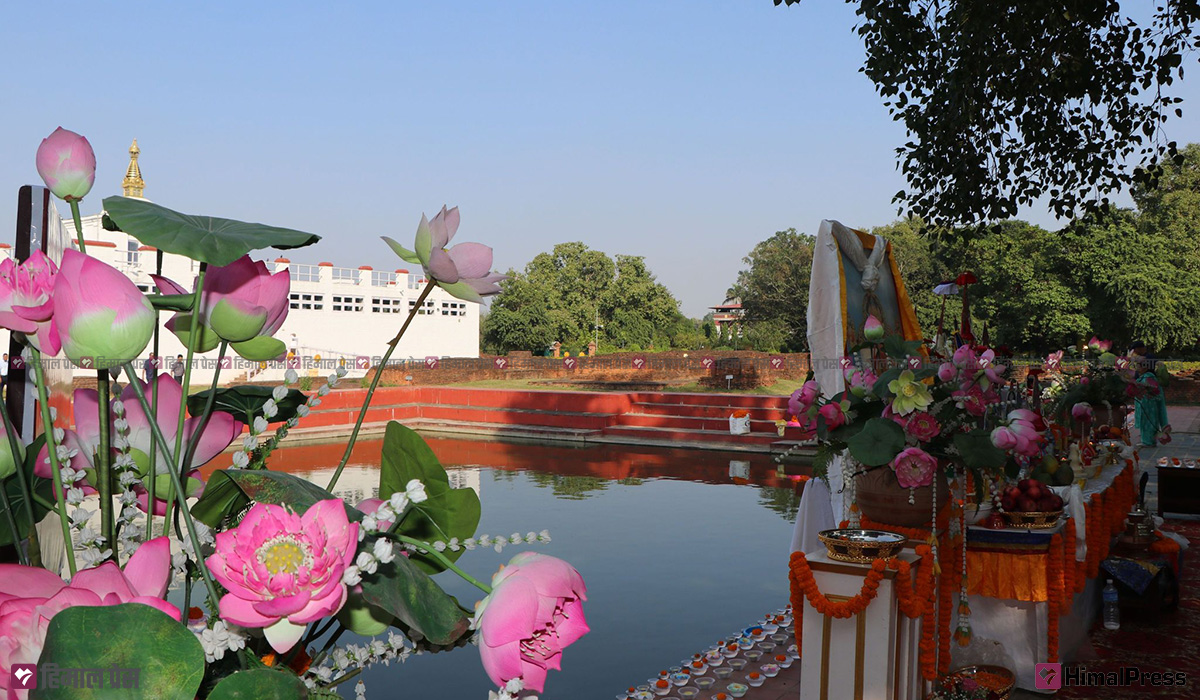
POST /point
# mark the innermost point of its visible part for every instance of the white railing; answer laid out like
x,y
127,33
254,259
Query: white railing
x,y
344,275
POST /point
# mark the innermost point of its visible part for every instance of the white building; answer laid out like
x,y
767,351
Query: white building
x,y
336,314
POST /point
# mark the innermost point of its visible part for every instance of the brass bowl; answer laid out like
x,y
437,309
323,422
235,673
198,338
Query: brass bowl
x,y
971,672
862,546
1039,520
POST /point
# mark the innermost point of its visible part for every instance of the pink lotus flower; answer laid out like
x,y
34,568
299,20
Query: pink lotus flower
x,y
947,372
1082,412
873,330
26,305
367,506
1024,414
284,570
964,358
242,303
1099,346
1029,440
221,431
972,400
102,318
30,597
987,362
923,426
833,414
914,467
464,270
67,164
1004,438
803,398
535,610
1054,361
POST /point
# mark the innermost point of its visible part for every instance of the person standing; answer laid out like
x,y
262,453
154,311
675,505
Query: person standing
x,y
150,368
4,375
1150,410
177,369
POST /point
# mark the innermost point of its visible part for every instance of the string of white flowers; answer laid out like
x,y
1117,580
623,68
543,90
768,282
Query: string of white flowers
x,y
179,559
382,551
88,544
130,530
343,660
511,691
498,543
250,443
218,639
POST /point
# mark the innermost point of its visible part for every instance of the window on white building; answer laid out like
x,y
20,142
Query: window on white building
x,y
414,281
311,302
345,275
453,308
383,305
344,303
380,278
426,308
131,252
305,273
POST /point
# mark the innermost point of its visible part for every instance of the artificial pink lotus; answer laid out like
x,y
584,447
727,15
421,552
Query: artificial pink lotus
x,y
1004,438
833,414
67,164
923,426
464,270
243,303
1099,346
1082,412
1054,361
535,610
914,467
30,597
367,506
873,329
284,570
26,304
221,431
947,372
803,398
101,317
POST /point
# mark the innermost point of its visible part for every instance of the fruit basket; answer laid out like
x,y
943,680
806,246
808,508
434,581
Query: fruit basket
x,y
1033,520
861,546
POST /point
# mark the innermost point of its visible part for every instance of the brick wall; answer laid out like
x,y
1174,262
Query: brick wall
x,y
749,369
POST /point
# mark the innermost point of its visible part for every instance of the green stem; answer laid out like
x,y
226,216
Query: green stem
x,y
362,414
104,463
177,489
26,491
12,524
208,408
45,504
346,677
328,644
78,225
193,337
152,469
52,449
442,559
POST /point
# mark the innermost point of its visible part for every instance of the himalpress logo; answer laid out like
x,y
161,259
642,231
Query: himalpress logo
x,y
1054,677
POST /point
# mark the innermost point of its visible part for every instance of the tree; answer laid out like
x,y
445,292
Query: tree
x,y
921,270
1006,101
774,289
561,294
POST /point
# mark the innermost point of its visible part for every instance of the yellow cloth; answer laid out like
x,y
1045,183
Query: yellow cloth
x,y
1007,576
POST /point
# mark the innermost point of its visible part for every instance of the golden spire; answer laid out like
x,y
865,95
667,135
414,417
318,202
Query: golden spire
x,y
133,184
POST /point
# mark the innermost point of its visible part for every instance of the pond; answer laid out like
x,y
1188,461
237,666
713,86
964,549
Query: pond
x,y
676,552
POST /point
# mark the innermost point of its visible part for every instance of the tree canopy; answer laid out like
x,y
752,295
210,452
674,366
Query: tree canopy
x,y
562,294
773,289
1006,101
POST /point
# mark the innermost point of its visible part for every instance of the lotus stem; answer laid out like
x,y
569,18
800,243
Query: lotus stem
x,y
193,337
26,490
442,559
12,523
177,488
152,470
52,449
208,409
104,463
78,225
362,414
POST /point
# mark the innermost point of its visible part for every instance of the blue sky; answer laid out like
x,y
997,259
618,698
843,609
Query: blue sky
x,y
682,130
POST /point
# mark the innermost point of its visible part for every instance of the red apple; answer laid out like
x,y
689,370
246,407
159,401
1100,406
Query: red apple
x,y
1024,484
995,521
1026,505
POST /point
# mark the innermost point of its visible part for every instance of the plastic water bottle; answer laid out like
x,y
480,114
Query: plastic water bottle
x,y
1112,612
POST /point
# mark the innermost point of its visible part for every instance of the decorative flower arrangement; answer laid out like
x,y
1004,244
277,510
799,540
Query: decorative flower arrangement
x,y
898,413
283,566
1093,377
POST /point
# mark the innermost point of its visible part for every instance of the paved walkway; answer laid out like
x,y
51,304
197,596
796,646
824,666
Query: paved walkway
x,y
1185,444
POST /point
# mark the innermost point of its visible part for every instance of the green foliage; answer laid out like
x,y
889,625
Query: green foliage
x,y
561,295
230,491
447,513
401,589
246,402
880,440
168,657
259,684
774,291
1008,102
204,238
16,498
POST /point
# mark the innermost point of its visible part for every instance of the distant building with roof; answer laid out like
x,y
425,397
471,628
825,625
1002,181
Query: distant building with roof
x,y
728,314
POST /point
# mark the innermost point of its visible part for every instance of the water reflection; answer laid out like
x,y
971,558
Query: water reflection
x,y
678,547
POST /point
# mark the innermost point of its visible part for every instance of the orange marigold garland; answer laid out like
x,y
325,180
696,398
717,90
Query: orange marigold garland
x,y
1054,594
802,576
